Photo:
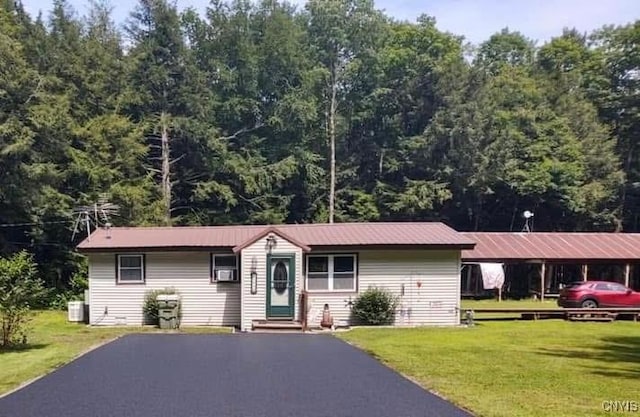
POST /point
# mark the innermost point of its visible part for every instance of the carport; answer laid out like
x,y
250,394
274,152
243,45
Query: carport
x,y
538,263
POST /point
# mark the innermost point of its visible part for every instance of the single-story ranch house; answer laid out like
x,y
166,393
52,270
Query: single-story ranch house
x,y
241,275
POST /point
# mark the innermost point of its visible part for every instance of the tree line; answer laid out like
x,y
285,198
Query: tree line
x,y
262,112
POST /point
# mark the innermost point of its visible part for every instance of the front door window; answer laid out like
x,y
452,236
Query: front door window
x,y
281,287
280,278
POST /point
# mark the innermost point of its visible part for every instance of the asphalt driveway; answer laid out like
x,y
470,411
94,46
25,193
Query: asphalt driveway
x,y
239,375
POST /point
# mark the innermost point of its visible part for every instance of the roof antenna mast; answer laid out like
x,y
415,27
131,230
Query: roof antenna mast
x,y
97,214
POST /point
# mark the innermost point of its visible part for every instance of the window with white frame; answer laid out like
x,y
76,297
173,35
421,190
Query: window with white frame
x,y
224,268
130,269
331,273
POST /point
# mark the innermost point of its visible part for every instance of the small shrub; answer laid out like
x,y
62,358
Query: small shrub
x,y
58,298
79,282
20,289
375,306
150,306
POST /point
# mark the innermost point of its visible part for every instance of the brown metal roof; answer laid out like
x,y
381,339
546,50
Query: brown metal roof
x,y
553,246
337,234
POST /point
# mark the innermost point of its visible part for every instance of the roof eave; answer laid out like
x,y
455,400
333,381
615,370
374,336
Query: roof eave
x,y
112,249
566,261
448,246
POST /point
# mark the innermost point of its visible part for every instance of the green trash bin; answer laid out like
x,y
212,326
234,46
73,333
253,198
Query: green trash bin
x,y
168,311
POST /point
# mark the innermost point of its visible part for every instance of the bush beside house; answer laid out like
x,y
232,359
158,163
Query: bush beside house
x,y
375,306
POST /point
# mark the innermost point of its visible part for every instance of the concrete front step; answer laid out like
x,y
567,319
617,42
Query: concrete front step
x,y
272,325
278,331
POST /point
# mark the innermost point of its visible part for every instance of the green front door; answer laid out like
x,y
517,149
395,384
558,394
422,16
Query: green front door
x,y
281,284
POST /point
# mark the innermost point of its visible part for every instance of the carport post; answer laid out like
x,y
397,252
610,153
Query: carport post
x,y
585,272
627,273
468,284
543,272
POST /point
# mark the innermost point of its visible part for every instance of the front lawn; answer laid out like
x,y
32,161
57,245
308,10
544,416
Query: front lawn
x,y
505,369
53,342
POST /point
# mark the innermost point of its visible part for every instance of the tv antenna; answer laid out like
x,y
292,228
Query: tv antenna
x,y
97,214
527,221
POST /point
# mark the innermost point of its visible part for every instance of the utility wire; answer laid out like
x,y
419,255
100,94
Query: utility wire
x,y
33,224
34,244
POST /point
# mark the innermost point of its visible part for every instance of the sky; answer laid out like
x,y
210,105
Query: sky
x,y
477,20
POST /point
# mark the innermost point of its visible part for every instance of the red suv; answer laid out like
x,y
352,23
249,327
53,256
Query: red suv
x,y
592,294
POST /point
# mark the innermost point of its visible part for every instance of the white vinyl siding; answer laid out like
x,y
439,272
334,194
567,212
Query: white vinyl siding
x,y
434,301
203,302
254,258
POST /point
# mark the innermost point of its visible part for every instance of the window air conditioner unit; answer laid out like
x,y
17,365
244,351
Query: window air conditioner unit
x,y
226,275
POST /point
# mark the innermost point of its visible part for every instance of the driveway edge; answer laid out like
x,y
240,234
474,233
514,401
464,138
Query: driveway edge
x,y
79,355
407,377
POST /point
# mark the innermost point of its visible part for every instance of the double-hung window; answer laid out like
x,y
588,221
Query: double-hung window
x,y
224,268
331,273
130,269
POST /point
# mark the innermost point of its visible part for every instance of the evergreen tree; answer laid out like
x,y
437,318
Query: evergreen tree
x,y
259,112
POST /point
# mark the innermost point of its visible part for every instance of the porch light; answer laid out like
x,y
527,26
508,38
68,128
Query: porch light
x,y
271,242
254,282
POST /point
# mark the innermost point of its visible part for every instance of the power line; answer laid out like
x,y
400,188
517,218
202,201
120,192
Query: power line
x,y
34,244
33,224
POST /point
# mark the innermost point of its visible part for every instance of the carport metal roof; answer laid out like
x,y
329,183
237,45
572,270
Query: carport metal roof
x,y
553,246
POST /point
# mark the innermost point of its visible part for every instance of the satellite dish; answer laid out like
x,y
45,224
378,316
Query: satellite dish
x,y
527,216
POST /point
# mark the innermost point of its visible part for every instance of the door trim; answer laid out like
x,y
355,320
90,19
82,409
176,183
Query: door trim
x,y
292,277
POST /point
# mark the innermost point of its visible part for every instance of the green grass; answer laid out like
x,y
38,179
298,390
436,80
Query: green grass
x,y
505,369
53,342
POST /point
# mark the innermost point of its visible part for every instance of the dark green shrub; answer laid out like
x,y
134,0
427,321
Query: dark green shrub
x,y
58,299
79,282
375,306
150,306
